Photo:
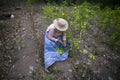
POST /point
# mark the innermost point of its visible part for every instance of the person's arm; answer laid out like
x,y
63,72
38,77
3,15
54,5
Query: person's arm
x,y
51,35
64,39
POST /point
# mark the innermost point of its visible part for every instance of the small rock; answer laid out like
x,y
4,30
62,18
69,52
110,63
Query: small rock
x,y
19,48
104,55
30,72
31,68
70,70
23,29
13,66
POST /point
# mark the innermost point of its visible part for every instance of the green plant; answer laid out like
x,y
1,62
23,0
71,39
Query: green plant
x,y
77,16
109,23
92,57
60,50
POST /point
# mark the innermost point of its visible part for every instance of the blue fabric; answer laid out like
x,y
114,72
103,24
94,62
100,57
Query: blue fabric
x,y
50,53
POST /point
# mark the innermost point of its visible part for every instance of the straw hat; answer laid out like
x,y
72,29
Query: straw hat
x,y
60,24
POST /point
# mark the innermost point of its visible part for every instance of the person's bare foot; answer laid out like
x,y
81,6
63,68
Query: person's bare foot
x,y
47,70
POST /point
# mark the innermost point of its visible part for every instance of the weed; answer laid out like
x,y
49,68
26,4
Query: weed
x,y
92,57
77,16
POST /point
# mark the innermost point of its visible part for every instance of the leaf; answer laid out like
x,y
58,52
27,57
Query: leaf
x,y
92,57
60,50
84,51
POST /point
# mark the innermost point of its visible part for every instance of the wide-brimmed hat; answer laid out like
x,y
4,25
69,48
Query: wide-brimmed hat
x,y
60,24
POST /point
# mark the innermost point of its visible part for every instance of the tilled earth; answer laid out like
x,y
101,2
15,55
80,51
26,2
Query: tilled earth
x,y
28,28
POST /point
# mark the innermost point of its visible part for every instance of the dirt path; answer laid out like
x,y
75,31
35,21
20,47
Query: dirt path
x,y
26,63
29,41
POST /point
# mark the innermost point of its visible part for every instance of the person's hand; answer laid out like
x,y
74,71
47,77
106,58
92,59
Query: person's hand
x,y
60,41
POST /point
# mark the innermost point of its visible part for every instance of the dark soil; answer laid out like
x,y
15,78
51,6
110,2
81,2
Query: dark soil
x,y
25,39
